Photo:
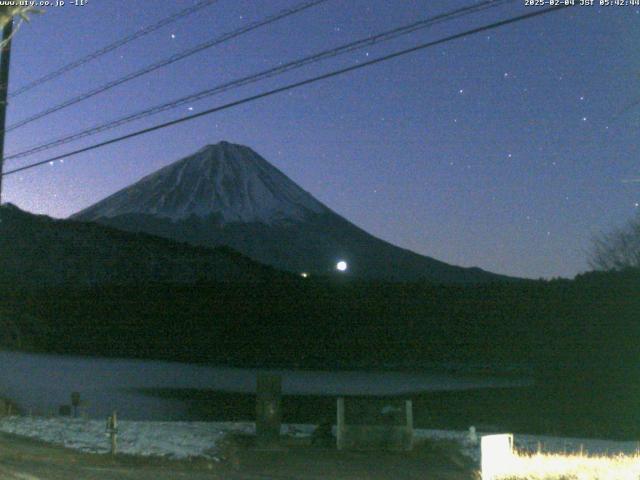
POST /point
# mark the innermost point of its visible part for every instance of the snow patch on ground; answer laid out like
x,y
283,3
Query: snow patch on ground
x,y
180,440
165,439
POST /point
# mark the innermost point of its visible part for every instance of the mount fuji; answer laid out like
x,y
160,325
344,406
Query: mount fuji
x,y
227,194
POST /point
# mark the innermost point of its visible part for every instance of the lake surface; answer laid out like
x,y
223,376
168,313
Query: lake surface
x,y
40,383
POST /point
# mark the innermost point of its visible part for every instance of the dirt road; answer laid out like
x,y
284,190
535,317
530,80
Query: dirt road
x,y
26,459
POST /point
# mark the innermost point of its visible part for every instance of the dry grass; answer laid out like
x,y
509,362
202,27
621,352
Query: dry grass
x,y
545,466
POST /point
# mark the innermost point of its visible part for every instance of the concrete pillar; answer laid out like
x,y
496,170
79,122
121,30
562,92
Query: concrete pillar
x,y
340,424
268,409
408,405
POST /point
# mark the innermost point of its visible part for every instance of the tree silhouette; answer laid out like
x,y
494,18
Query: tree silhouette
x,y
618,249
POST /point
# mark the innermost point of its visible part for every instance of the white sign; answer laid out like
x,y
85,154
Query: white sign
x,y
497,455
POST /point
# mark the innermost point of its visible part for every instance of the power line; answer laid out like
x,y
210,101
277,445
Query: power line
x,y
291,86
168,61
269,73
117,44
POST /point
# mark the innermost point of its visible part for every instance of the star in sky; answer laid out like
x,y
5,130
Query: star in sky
x,y
345,133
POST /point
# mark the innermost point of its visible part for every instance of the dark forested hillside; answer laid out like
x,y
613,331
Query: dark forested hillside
x,y
557,324
580,337
38,250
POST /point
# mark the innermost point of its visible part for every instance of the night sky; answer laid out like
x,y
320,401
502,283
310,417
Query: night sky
x,y
507,150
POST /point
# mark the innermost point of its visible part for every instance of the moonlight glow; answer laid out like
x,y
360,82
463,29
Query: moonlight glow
x,y
342,266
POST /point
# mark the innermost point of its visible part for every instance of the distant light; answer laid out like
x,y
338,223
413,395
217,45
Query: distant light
x,y
304,274
342,266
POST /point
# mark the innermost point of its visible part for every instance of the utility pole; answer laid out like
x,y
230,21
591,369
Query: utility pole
x,y
5,58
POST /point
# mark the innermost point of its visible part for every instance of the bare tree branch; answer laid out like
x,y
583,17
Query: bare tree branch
x,y
618,249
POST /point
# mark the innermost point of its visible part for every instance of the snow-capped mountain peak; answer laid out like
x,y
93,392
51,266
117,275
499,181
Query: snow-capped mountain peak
x,y
228,195
228,182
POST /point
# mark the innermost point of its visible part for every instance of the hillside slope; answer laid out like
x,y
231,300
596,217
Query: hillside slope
x,y
38,250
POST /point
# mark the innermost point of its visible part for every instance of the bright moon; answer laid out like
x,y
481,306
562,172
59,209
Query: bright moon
x,y
342,266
